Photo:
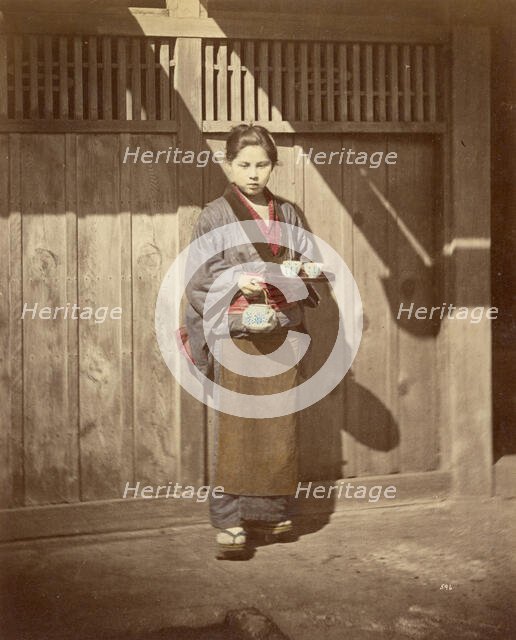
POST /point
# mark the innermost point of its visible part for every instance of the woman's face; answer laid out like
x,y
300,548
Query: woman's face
x,y
251,170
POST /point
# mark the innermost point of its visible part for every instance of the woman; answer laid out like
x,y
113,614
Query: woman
x,y
255,458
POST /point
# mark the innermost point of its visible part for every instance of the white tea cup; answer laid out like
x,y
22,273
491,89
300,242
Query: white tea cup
x,y
291,268
312,269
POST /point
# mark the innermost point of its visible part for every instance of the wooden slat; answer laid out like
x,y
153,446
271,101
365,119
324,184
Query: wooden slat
x,y
330,79
263,81
316,77
18,81
78,100
209,81
411,190
393,83
63,78
356,98
72,296
150,80
406,84
50,440
303,70
369,111
3,76
107,97
291,82
92,79
249,82
15,305
420,114
48,80
136,85
222,82
431,88
33,78
343,83
382,104
277,82
236,77
152,192
106,442
5,335
124,109
164,80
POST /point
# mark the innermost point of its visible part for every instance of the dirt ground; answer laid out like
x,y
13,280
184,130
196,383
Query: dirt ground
x,y
441,571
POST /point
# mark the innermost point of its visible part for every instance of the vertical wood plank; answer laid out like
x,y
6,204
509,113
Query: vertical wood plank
x,y
50,441
420,114
3,76
164,82
209,97
330,80
263,81
136,84
124,110
18,78
277,82
369,82
316,78
48,79
343,83
291,82
63,78
106,441
93,110
249,82
470,392
72,297
5,337
78,98
303,71
153,202
33,78
412,188
236,81
222,82
16,486
107,97
188,78
393,83
432,109
406,85
356,98
150,80
382,104
371,417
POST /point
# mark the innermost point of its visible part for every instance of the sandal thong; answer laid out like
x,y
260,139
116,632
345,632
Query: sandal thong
x,y
233,548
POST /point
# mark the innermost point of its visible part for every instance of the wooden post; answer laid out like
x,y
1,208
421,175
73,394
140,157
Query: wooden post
x,y
188,79
468,251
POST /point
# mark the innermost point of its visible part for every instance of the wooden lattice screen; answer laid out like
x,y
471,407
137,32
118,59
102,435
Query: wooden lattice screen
x,y
86,78
321,82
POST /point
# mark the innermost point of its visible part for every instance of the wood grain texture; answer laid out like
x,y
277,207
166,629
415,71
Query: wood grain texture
x,y
152,190
106,442
50,443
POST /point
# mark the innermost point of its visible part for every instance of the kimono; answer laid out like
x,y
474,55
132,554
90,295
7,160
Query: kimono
x,y
254,458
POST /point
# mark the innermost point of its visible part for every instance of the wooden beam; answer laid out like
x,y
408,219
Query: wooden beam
x,y
94,126
284,126
281,26
469,344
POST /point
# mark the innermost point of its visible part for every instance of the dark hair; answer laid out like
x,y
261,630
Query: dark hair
x,y
245,135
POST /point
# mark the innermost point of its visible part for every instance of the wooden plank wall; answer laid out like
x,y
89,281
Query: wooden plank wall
x,y
85,406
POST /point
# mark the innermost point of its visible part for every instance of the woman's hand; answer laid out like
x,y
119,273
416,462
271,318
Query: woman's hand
x,y
250,285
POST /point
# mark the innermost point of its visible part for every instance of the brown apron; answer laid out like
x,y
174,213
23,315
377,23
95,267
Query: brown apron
x,y
257,456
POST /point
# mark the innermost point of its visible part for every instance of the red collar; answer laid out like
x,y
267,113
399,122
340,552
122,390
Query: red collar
x,y
271,231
